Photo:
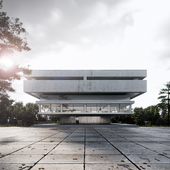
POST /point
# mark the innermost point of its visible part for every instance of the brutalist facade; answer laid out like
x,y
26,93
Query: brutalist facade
x,y
85,96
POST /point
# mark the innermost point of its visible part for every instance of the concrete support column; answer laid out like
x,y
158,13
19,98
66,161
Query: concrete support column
x,y
39,105
85,107
130,108
108,108
50,107
61,107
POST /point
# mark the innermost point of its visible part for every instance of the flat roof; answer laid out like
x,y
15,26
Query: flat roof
x,y
90,74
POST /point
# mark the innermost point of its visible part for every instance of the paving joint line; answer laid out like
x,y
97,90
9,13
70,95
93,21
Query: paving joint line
x,y
141,145
150,149
117,149
29,145
84,149
51,149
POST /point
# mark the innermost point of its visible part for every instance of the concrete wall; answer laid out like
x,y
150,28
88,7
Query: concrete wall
x,y
85,73
86,86
85,120
84,97
89,86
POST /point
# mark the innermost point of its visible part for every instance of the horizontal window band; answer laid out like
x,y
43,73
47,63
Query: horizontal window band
x,y
114,78
57,78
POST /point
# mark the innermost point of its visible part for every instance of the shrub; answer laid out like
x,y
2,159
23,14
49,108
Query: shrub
x,y
160,122
13,122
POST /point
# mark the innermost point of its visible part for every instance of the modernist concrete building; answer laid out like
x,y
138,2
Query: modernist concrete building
x,y
85,96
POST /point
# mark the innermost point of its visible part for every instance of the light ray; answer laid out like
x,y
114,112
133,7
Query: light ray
x,y
6,63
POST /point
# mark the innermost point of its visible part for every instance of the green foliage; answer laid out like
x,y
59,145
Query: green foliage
x,y
160,122
12,38
26,113
149,115
164,104
40,118
28,119
31,108
115,119
12,34
55,119
123,119
139,115
166,118
1,4
3,111
17,112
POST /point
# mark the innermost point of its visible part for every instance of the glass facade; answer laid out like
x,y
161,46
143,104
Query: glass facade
x,y
124,108
55,108
74,108
97,108
45,108
114,108
51,108
89,107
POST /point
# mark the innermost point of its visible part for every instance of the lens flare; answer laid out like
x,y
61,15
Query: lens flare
x,y
6,63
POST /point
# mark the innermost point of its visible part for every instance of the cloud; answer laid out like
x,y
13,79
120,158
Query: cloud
x,y
164,33
74,22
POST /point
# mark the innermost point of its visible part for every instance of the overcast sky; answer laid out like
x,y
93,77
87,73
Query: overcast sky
x,y
96,34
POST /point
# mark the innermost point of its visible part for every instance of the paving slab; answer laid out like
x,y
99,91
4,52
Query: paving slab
x,y
9,149
63,158
90,151
111,166
100,158
98,139
35,149
148,158
15,166
54,166
85,147
135,151
155,166
68,149
20,159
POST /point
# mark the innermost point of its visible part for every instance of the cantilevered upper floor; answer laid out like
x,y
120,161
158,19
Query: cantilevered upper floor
x,y
87,75
73,82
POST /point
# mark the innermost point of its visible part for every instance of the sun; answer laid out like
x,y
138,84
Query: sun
x,y
6,63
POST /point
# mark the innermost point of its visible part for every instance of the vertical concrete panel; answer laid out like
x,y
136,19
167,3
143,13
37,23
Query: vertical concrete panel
x,y
85,120
67,120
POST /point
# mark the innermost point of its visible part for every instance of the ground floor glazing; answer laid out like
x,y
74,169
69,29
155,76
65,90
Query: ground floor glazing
x,y
84,107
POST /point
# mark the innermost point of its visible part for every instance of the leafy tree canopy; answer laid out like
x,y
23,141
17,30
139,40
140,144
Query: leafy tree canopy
x,y
164,99
12,38
12,34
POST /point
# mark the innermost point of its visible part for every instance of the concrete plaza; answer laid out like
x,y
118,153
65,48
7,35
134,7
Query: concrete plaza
x,y
85,147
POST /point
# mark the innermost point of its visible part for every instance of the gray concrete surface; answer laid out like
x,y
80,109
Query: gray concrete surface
x,y
85,147
85,96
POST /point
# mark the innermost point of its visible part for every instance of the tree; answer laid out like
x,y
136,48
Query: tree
x,y
18,109
152,114
164,97
12,34
139,116
32,108
12,38
162,108
3,113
